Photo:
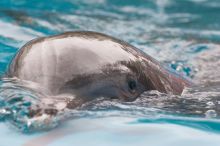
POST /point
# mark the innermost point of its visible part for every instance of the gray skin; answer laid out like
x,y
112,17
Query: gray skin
x,y
89,65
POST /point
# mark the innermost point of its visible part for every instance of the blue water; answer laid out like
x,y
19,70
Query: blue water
x,y
183,34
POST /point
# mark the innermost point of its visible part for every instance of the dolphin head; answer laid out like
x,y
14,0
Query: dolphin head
x,y
88,65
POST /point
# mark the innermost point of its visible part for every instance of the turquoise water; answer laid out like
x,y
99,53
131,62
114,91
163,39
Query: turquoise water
x,y
183,34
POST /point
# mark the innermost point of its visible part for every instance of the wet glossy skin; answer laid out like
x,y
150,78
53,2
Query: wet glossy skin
x,y
90,65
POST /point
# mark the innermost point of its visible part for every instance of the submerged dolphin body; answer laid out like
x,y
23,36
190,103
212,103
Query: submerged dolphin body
x,y
88,65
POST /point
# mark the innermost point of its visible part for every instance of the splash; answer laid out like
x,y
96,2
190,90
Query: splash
x,y
24,108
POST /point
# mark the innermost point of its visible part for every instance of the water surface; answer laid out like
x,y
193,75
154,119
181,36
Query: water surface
x,y
183,34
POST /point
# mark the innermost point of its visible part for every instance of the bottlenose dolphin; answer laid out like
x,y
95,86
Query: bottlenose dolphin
x,y
89,65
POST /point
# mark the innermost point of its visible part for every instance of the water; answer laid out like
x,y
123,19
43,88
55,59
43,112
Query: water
x,y
183,34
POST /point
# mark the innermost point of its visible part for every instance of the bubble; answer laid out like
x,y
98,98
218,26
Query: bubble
x,y
4,113
210,114
210,104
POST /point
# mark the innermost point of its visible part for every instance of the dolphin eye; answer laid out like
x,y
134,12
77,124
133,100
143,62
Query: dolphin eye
x,y
132,85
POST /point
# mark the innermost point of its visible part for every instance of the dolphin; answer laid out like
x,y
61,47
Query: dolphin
x,y
88,65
